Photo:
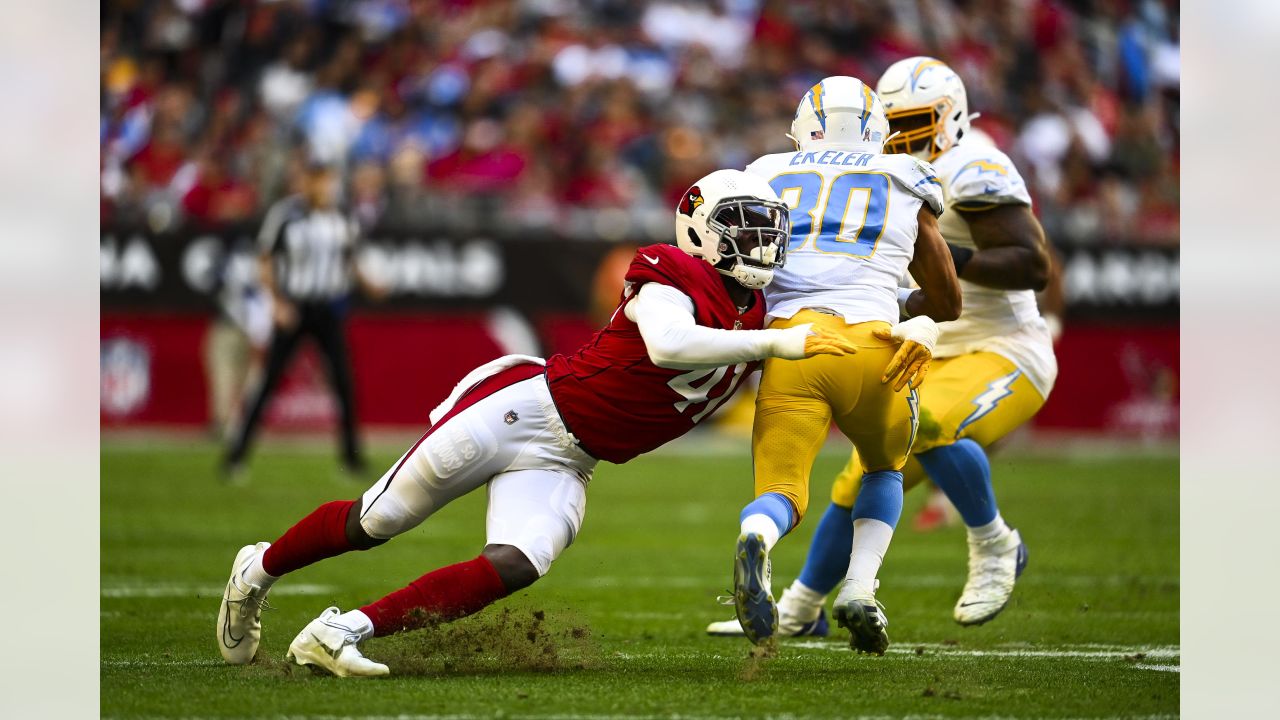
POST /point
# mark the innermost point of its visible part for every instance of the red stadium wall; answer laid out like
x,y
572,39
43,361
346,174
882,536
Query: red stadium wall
x,y
153,370
1119,379
1122,379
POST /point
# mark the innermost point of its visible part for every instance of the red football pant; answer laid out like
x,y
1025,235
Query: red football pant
x,y
320,535
439,596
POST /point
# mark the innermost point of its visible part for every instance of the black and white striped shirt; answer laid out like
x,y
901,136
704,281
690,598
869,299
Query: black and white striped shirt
x,y
313,249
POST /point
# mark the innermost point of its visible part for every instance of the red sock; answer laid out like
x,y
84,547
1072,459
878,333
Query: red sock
x,y
439,596
320,535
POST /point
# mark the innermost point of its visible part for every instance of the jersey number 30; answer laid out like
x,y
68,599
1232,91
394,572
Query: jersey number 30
x,y
846,217
707,380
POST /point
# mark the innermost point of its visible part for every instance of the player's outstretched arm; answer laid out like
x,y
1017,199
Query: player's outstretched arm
x,y
933,269
674,339
1012,252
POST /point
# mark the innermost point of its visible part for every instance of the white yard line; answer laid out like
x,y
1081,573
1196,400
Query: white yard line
x,y
601,716
204,591
1092,652
904,581
1082,651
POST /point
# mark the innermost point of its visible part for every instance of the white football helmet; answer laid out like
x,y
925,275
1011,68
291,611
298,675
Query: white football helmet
x,y
735,222
927,106
839,110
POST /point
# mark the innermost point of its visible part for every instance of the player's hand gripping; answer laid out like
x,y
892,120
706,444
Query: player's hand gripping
x,y
911,363
820,341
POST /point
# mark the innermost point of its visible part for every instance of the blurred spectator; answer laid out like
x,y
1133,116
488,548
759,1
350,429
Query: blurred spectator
x,y
216,197
577,115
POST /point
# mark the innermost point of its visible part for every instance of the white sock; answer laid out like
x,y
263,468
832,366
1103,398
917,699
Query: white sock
x,y
358,622
986,532
255,574
804,595
870,543
763,524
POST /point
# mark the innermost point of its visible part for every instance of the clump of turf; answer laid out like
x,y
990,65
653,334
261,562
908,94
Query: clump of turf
x,y
501,640
757,658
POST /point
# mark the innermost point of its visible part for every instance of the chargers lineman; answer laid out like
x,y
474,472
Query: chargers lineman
x,y
860,220
687,330
994,366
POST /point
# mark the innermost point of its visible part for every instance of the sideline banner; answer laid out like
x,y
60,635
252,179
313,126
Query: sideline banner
x,y
1121,379
457,302
439,271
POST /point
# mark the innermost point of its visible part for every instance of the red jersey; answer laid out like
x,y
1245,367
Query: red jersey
x,y
614,399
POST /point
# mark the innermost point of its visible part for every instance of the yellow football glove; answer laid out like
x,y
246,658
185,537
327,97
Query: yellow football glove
x,y
911,363
824,342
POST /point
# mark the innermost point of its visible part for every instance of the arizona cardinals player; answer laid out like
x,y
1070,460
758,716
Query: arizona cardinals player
x,y
687,329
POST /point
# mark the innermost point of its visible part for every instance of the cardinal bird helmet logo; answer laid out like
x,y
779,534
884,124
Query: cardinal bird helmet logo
x,y
692,200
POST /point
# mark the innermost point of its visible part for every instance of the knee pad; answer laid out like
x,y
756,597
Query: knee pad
x,y
541,532
386,516
541,540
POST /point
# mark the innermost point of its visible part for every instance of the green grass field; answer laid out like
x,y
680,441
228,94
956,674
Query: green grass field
x,y
1092,630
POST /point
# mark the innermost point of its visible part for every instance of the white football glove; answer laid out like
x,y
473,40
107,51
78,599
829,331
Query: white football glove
x,y
911,363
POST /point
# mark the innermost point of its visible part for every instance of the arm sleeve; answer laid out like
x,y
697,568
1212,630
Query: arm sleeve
x,y
989,179
674,339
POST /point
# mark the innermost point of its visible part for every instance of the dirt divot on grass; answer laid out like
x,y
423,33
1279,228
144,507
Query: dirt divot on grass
x,y
500,640
757,660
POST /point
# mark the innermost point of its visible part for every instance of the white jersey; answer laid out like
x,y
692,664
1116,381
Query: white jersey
x,y
853,228
978,176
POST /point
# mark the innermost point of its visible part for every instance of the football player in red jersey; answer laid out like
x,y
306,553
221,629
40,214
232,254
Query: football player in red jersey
x,y
685,333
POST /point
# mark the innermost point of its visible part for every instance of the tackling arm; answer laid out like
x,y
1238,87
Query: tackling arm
x,y
1012,253
933,269
674,339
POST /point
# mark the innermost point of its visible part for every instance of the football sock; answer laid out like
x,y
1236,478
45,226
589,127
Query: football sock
x,y
962,472
875,515
828,557
255,574
439,596
802,596
320,535
770,515
870,543
988,531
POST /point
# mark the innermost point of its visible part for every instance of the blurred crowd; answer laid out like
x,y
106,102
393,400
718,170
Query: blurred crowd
x,y
589,118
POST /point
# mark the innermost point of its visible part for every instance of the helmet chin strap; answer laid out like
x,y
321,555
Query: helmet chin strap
x,y
751,278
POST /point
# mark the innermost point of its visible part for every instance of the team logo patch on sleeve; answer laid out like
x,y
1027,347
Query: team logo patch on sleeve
x,y
511,417
692,201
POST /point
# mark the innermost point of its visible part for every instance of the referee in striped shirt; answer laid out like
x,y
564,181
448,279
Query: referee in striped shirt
x,y
307,251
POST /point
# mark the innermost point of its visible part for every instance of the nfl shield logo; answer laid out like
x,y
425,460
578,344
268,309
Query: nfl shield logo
x,y
125,380
511,417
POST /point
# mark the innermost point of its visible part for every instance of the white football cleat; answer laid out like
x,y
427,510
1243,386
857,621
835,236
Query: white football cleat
x,y
800,614
327,644
857,610
994,566
240,614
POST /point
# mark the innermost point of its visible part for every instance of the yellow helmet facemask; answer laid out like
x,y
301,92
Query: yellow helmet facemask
x,y
916,130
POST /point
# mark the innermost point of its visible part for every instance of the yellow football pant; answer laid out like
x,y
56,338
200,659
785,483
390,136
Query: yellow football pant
x,y
798,400
982,396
